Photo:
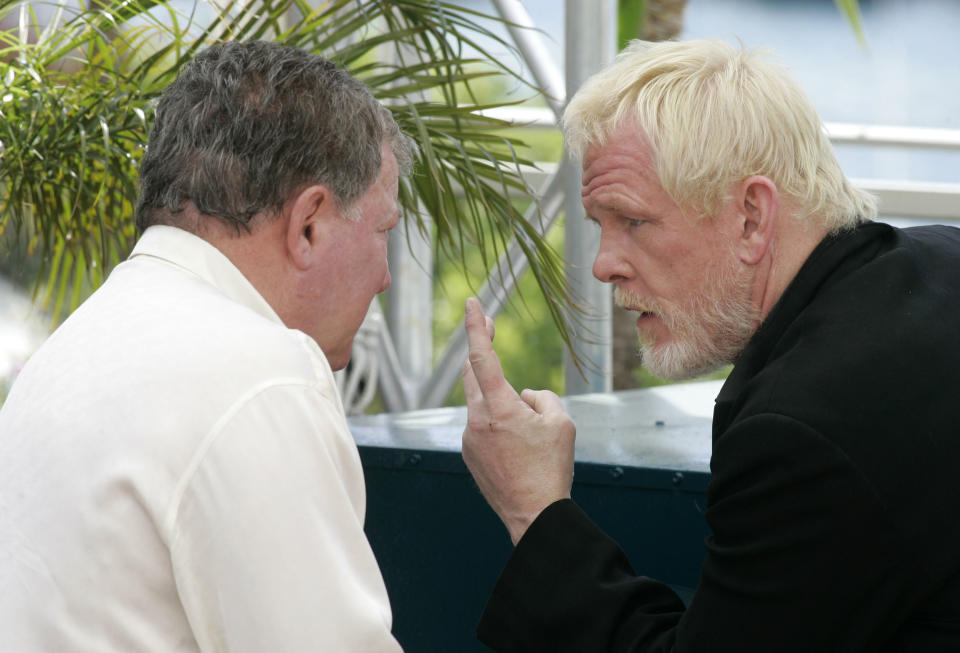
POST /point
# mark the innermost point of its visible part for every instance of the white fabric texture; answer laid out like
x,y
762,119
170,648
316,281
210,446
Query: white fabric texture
x,y
176,474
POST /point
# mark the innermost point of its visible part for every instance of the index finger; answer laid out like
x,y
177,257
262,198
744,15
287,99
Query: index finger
x,y
471,390
483,359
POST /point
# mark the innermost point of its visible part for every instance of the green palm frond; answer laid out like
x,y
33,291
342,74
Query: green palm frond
x,y
76,104
71,129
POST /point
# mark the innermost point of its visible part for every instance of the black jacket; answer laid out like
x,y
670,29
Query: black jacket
x,y
835,492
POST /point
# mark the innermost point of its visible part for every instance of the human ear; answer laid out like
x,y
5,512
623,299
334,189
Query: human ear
x,y
759,204
306,213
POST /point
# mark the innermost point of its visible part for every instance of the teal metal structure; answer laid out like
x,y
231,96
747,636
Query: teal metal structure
x,y
642,472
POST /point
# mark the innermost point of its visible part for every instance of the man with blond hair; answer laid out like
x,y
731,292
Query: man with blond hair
x,y
728,227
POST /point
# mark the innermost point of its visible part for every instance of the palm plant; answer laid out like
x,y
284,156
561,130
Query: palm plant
x,y
77,103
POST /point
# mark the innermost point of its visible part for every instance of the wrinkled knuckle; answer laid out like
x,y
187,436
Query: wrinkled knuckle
x,y
477,358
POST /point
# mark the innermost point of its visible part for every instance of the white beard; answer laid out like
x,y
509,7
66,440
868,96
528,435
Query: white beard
x,y
709,329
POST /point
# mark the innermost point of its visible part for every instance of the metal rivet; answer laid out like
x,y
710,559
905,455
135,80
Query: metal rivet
x,y
677,478
616,472
414,459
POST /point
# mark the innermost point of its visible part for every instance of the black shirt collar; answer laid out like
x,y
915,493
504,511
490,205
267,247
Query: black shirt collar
x,y
835,256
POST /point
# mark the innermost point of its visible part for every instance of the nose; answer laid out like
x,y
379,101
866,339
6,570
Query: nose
x,y
610,266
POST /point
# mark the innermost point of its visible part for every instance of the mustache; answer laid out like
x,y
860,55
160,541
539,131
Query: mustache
x,y
634,302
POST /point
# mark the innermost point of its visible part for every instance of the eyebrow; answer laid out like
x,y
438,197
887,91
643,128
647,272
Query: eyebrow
x,y
607,207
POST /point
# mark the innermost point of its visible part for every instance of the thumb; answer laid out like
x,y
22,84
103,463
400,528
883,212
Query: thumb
x,y
542,401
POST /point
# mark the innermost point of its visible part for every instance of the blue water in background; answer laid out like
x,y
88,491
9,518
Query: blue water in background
x,y
907,75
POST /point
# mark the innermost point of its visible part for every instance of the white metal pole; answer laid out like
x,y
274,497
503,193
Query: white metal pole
x,y
590,44
535,54
410,304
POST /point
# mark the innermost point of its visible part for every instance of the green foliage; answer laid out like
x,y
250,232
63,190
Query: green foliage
x,y
631,15
71,140
77,103
528,344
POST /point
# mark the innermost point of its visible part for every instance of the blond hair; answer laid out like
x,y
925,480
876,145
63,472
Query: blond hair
x,y
714,115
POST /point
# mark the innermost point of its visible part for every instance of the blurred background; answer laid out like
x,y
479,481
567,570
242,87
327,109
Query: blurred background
x,y
905,73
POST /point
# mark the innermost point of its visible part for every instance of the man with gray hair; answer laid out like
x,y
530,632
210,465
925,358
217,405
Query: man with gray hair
x,y
728,227
176,472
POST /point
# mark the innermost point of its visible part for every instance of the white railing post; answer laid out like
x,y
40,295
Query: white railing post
x,y
590,45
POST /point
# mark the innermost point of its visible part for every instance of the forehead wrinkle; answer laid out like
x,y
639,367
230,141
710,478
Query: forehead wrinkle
x,y
618,168
610,181
625,149
616,195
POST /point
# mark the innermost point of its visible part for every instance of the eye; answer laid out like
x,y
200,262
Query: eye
x,y
633,223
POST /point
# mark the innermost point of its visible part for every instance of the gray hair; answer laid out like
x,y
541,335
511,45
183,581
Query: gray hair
x,y
713,115
247,125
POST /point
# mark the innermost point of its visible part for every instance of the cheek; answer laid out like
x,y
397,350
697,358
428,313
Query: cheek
x,y
685,269
373,265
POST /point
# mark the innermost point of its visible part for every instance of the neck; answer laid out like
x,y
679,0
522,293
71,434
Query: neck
x,y
790,248
257,253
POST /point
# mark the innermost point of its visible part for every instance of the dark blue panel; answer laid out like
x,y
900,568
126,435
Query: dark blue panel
x,y
441,548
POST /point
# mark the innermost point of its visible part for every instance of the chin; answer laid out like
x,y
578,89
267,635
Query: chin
x,y
674,371
338,363
338,356
680,361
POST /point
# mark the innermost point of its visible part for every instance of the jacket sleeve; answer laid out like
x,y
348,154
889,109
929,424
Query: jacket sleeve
x,y
802,558
267,541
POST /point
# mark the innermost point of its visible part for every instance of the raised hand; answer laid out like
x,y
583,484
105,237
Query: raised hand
x,y
519,448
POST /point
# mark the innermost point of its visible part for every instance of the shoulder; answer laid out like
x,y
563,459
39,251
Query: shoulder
x,y
863,374
220,336
875,337
173,344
